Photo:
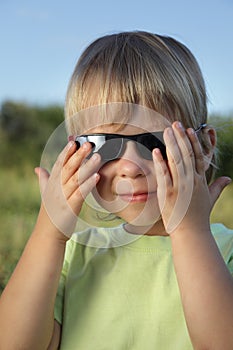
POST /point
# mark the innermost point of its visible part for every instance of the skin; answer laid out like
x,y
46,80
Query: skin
x,y
206,293
128,188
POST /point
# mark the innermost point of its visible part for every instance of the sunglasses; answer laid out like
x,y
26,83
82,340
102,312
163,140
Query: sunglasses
x,y
112,146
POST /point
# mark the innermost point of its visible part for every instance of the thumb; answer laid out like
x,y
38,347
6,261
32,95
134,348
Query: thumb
x,y
43,176
217,187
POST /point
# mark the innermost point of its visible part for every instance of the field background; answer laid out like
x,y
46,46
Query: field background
x,y
20,197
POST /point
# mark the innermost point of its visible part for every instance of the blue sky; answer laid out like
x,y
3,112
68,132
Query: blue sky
x,y
40,41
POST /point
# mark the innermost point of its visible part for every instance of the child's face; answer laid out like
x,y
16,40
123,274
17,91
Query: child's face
x,y
127,186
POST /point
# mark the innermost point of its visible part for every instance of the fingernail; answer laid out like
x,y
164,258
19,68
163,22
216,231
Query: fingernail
x,y
180,126
95,157
191,131
169,131
85,146
156,151
96,176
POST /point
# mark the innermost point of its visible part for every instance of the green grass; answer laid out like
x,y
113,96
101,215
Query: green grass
x,y
19,205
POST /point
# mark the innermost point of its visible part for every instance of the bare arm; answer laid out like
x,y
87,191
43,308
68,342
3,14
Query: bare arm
x,y
205,283
27,303
206,288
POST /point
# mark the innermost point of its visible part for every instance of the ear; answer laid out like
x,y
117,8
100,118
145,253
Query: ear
x,y
210,139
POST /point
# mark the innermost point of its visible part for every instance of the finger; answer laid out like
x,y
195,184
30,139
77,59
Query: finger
x,y
68,151
43,176
174,155
186,149
78,197
65,154
74,161
84,172
198,151
217,187
163,177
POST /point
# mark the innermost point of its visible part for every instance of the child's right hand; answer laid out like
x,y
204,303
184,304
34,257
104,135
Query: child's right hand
x,y
64,190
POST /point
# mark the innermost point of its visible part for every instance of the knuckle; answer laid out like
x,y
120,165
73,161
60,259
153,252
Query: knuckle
x,y
190,152
200,157
74,181
80,193
176,160
66,167
165,172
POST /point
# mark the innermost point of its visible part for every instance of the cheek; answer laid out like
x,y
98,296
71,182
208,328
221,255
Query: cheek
x,y
103,188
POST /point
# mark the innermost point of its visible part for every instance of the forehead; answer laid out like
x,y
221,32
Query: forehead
x,y
118,117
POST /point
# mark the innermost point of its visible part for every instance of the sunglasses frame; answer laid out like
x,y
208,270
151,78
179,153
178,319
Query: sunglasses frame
x,y
96,146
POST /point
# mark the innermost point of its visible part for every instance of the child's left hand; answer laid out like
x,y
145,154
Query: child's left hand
x,y
184,197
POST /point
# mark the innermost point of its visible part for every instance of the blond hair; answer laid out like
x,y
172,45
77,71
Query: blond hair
x,y
140,68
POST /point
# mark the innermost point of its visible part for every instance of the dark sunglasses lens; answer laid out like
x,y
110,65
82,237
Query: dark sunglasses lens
x,y
146,144
162,148
108,149
144,151
111,149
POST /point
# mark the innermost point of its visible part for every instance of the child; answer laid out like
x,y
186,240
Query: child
x,y
162,279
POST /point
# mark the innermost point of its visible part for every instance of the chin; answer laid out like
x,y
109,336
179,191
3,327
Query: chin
x,y
147,215
139,213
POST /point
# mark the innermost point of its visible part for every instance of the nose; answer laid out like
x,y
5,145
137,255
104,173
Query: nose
x,y
131,164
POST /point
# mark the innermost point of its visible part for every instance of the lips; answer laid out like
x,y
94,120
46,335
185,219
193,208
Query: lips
x,y
136,197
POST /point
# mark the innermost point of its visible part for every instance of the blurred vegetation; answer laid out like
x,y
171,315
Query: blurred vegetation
x,y
24,131
224,128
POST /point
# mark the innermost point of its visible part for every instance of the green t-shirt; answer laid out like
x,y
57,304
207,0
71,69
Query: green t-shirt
x,y
114,296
